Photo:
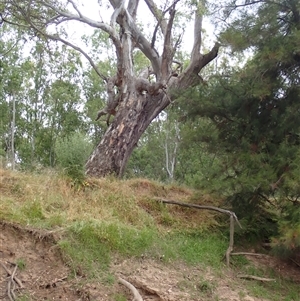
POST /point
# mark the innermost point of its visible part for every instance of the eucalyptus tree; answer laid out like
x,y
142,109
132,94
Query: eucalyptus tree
x,y
135,97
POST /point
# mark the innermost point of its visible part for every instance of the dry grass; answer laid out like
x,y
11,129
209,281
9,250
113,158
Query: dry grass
x,y
50,200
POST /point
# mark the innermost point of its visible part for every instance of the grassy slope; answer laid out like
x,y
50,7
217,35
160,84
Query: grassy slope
x,y
109,217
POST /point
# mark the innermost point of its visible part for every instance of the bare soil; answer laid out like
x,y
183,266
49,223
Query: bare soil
x,y
45,276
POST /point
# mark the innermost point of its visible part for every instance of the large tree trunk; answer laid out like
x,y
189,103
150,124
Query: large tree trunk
x,y
131,120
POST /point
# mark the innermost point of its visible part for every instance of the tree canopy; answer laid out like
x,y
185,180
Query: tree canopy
x,y
253,112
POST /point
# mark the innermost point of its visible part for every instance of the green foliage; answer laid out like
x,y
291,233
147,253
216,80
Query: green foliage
x,y
253,123
72,153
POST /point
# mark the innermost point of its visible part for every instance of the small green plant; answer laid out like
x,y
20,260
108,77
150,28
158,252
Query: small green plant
x,y
33,211
119,297
205,287
21,263
24,297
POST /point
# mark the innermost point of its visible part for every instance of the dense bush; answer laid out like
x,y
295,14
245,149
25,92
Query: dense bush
x,y
71,155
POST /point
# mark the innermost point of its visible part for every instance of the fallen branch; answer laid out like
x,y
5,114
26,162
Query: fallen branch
x,y
136,294
256,278
249,253
232,215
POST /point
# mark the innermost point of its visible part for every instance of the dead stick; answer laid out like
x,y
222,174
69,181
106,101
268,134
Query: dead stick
x,y
256,278
136,294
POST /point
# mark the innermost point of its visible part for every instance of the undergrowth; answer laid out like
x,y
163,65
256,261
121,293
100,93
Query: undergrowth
x,y
109,217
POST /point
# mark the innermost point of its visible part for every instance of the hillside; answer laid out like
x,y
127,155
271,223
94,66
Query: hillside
x,y
66,242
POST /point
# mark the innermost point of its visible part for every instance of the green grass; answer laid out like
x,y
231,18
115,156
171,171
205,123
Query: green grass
x,y
192,248
275,291
89,246
110,219
119,297
278,290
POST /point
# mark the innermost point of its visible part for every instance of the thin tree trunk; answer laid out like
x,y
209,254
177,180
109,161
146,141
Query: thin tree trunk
x,y
13,125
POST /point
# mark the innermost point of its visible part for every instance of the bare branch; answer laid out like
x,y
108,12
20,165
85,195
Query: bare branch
x,y
167,56
143,44
132,8
69,16
208,57
195,55
230,213
249,254
75,7
13,23
10,49
116,13
158,15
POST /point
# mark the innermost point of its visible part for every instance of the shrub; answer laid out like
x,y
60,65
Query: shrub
x,y
71,154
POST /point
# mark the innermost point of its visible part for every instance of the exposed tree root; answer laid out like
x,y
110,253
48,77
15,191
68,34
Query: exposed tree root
x,y
12,281
256,278
40,235
136,294
248,253
295,262
147,289
232,215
